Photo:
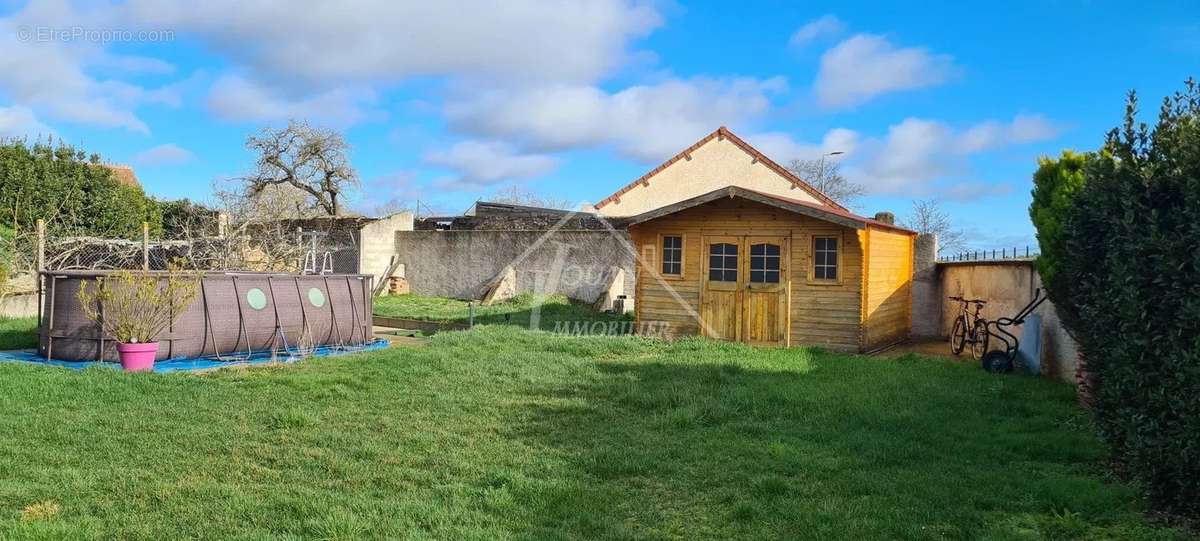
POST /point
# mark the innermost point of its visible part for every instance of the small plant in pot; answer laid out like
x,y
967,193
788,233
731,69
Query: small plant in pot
x,y
134,308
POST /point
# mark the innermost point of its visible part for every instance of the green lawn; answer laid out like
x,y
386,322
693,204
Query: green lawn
x,y
18,333
515,311
502,433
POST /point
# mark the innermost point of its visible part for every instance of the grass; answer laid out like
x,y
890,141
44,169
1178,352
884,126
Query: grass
x,y
501,433
515,311
18,333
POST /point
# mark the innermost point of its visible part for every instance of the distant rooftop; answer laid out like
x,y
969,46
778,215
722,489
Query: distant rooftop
x,y
123,173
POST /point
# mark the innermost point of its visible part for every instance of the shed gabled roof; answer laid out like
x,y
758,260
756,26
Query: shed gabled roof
x,y
826,213
724,133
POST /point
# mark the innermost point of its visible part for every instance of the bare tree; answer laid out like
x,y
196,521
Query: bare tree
x,y
243,203
928,217
518,195
311,160
826,177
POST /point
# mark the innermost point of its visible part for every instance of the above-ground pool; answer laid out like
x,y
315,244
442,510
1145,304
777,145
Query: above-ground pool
x,y
235,313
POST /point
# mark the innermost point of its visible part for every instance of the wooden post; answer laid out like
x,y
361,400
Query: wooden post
x,y
41,266
145,246
303,254
41,245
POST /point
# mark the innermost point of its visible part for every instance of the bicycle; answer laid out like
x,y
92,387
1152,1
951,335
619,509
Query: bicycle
x,y
1001,362
969,329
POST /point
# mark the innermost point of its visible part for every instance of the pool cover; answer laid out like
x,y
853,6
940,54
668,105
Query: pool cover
x,y
181,364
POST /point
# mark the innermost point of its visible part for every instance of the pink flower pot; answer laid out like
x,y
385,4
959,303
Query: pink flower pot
x,y
137,357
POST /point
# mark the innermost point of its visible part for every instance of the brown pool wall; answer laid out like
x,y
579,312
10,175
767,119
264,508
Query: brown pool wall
x,y
233,313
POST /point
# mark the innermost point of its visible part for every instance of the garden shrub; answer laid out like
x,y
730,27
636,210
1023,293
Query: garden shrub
x,y
1130,273
1055,185
7,238
68,189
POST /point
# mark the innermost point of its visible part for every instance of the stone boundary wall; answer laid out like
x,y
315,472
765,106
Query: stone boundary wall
x,y
1007,285
19,305
462,264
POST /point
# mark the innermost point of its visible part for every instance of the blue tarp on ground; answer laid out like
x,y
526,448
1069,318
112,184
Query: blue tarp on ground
x,y
201,363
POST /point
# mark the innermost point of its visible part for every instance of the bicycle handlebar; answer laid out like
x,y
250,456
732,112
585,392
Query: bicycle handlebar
x,y
975,301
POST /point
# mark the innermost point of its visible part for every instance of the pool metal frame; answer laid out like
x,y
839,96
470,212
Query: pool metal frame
x,y
46,314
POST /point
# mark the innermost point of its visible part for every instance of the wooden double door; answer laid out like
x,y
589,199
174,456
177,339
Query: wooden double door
x,y
744,293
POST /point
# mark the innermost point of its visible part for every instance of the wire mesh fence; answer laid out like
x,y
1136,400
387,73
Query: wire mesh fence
x,y
281,246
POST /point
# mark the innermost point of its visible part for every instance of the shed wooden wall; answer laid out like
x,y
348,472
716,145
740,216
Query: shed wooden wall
x,y
887,305
827,315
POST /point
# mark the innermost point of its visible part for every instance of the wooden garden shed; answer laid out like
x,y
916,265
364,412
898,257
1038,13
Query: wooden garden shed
x,y
740,264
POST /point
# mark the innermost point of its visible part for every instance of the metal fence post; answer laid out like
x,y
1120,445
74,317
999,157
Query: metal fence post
x,y
145,246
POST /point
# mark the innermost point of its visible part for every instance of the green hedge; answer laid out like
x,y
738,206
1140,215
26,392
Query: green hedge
x,y
1129,274
68,189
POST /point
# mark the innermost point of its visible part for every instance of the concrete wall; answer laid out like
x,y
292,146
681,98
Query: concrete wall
x,y
1007,286
716,164
377,244
926,289
461,264
19,305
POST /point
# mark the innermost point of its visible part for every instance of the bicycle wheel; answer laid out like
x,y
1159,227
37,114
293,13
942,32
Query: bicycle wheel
x,y
958,337
979,342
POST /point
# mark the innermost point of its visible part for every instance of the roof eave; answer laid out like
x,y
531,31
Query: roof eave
x,y
734,191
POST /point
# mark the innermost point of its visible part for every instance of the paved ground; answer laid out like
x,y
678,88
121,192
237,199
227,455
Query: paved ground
x,y
401,339
929,348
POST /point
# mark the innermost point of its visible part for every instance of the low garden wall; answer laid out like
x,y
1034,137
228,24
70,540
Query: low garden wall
x,y
462,264
19,305
1007,285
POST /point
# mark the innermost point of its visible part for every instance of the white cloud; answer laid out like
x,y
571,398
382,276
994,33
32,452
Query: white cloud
x,y
825,26
131,63
21,122
483,163
165,154
865,66
393,192
973,190
916,156
1022,129
373,40
914,151
919,151
235,98
782,148
646,122
51,76
1032,128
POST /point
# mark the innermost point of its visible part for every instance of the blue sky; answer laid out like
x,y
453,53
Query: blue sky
x,y
448,103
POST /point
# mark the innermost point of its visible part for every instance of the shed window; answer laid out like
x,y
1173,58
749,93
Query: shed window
x,y
672,255
764,263
825,258
722,262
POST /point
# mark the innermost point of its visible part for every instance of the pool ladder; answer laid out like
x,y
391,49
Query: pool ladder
x,y
310,263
